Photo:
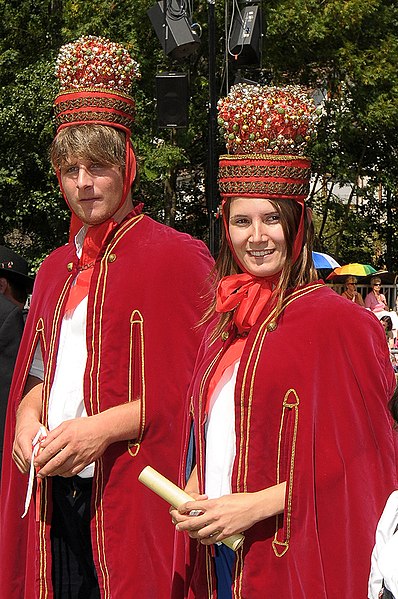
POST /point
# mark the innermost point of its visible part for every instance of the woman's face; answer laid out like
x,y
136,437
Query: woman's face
x,y
257,236
351,285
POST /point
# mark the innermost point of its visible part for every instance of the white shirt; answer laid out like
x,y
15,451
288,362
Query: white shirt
x,y
66,399
384,563
220,435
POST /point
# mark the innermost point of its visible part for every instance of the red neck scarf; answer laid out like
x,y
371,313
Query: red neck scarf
x,y
93,241
246,295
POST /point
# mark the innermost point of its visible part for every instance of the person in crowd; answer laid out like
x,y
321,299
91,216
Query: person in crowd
x,y
287,421
350,291
15,285
383,579
105,361
394,363
386,323
375,300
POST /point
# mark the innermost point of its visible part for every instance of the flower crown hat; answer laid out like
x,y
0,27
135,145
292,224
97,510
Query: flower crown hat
x,y
266,130
96,76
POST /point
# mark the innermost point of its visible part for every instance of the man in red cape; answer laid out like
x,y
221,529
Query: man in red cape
x,y
119,304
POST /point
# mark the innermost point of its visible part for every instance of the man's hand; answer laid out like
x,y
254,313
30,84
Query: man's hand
x,y
76,443
22,448
72,446
27,423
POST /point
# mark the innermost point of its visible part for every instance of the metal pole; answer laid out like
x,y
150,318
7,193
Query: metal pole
x,y
212,154
165,27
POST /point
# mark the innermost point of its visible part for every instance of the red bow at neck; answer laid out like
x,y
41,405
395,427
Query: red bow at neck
x,y
245,294
92,244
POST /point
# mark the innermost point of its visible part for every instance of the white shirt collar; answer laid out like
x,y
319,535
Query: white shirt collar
x,y
79,239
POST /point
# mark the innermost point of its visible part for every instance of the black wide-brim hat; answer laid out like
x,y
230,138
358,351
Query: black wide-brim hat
x,y
13,264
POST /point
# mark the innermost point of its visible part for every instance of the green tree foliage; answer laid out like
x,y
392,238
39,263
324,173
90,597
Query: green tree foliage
x,y
346,48
349,50
33,217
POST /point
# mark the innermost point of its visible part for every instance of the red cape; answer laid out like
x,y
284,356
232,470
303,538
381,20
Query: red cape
x,y
143,305
311,408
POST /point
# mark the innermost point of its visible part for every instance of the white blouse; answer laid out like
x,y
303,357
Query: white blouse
x,y
220,435
384,563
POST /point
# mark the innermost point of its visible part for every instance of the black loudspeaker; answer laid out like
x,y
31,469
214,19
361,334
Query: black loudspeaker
x,y
245,42
175,33
172,100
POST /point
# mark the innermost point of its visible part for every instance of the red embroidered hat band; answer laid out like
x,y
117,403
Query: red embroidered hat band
x,y
90,106
283,176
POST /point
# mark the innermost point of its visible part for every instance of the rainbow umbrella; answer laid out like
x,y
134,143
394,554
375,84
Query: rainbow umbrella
x,y
323,261
355,269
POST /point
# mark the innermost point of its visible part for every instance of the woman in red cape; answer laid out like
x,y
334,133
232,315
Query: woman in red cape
x,y
293,444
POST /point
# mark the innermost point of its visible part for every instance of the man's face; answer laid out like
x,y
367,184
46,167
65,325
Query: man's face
x,y
93,190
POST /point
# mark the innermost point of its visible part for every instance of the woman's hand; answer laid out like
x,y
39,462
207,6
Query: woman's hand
x,y
229,514
177,517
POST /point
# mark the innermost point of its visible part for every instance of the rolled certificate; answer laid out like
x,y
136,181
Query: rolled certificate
x,y
176,497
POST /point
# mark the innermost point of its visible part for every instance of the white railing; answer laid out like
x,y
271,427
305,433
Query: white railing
x,y
390,291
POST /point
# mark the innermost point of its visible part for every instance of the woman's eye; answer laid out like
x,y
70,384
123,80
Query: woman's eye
x,y
240,221
273,219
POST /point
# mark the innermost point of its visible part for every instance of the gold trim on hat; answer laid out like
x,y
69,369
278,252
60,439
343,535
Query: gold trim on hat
x,y
94,102
266,157
109,117
260,171
264,187
93,90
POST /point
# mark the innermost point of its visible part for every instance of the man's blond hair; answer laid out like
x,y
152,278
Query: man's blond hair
x,y
98,143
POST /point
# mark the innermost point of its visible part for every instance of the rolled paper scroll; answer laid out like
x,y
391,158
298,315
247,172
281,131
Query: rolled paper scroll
x,y
176,497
